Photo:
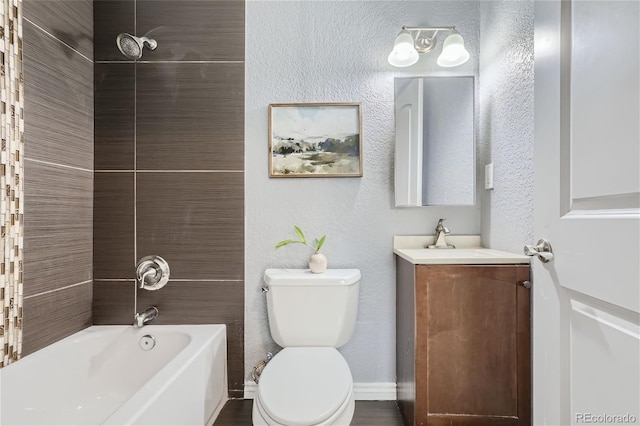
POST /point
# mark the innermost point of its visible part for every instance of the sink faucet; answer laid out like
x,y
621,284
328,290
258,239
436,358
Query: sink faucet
x,y
146,317
440,240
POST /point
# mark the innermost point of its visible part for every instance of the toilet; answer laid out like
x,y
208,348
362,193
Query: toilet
x,y
310,315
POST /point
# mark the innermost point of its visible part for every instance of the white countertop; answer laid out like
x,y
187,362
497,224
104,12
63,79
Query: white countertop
x,y
468,251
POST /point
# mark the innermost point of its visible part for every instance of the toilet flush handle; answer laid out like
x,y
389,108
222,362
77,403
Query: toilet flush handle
x,y
265,289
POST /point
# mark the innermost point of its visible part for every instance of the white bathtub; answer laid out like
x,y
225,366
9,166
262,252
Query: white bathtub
x,y
101,376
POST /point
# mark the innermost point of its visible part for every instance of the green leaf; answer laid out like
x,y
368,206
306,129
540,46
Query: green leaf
x,y
284,243
320,242
300,234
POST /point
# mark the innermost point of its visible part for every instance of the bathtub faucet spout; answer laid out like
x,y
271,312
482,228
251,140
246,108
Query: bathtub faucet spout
x,y
146,317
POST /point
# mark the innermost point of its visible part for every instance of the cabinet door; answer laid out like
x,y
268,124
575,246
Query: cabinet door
x,y
472,345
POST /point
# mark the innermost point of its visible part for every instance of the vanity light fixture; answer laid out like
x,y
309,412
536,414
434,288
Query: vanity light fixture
x,y
412,41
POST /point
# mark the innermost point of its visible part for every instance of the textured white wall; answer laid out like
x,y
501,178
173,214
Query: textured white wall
x,y
332,51
506,122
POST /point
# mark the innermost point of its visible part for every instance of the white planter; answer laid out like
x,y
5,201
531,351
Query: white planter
x,y
318,263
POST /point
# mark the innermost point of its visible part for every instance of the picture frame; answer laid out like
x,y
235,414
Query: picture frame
x,y
315,140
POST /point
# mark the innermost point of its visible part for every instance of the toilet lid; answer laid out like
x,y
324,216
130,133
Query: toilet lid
x,y
304,386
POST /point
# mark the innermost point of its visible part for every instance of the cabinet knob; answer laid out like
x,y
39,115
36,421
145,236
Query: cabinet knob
x,y
525,284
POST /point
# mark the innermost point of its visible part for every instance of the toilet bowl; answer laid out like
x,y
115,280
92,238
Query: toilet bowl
x,y
305,386
308,383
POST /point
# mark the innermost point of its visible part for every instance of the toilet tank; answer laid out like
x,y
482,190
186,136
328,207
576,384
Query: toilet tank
x,y
307,309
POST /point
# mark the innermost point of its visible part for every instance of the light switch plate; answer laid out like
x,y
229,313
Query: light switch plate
x,y
488,176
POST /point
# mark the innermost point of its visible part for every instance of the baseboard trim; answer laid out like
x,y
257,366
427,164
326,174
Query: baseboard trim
x,y
361,391
381,391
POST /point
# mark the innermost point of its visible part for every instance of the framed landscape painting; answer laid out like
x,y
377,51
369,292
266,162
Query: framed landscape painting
x,y
315,140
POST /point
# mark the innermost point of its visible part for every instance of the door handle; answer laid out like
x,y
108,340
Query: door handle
x,y
542,250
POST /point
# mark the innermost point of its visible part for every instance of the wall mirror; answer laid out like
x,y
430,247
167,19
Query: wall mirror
x,y
435,141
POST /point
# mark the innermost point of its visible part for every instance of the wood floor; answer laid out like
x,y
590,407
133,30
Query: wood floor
x,y
237,412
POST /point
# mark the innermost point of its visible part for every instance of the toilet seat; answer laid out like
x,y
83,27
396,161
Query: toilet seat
x,y
342,417
304,386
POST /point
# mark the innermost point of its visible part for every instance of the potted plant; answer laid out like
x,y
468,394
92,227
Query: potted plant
x,y
318,261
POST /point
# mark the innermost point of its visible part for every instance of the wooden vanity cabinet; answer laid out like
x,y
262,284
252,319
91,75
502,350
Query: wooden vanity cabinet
x,y
463,344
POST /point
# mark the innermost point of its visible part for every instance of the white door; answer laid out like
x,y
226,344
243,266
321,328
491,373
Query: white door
x,y
586,301
409,136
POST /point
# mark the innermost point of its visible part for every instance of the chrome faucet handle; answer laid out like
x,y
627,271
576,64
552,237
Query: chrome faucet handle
x,y
152,273
441,228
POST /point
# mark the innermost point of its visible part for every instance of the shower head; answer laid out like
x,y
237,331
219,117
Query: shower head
x,y
131,46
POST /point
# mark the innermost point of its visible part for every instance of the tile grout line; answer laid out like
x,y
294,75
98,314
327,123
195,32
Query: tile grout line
x,y
170,62
168,171
135,167
205,280
59,165
58,289
131,280
56,38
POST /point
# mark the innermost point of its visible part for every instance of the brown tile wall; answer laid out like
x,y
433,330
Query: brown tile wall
x,y
58,184
169,162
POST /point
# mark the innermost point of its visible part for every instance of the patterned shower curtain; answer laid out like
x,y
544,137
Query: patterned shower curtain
x,y
11,178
